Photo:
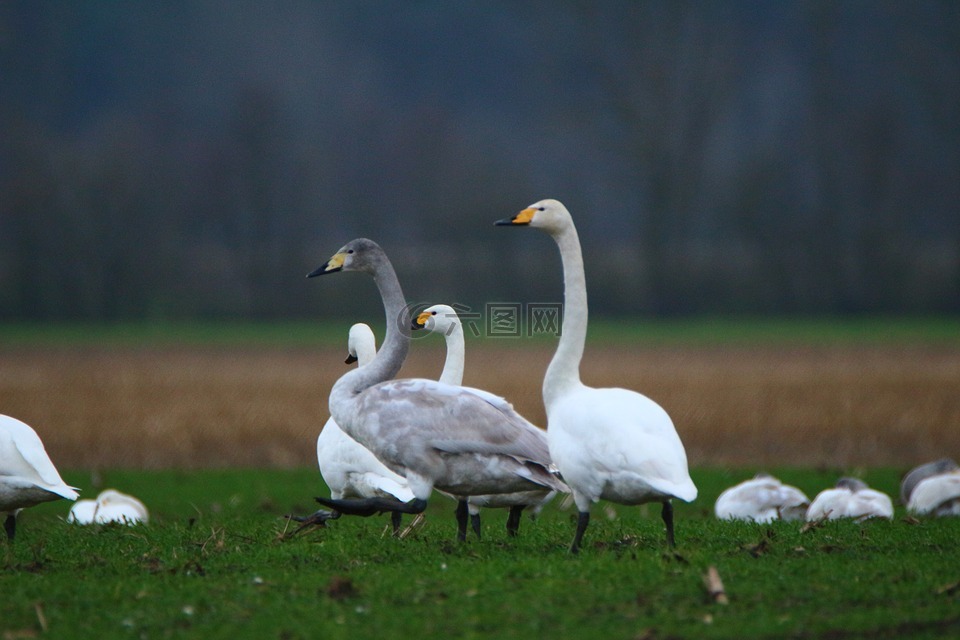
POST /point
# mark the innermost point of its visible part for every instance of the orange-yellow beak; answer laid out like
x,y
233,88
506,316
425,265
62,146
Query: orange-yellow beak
x,y
524,217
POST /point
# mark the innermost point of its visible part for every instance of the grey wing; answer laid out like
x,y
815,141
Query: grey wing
x,y
456,420
486,423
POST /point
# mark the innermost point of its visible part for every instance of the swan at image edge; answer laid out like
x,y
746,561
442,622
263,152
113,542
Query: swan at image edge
x,y
27,476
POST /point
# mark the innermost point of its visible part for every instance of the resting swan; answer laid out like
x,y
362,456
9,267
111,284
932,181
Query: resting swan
x,y
613,444
443,319
110,506
850,498
347,467
27,477
763,498
460,440
920,473
933,489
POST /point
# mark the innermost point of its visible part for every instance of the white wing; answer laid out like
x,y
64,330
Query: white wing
x,y
352,470
22,454
937,495
605,437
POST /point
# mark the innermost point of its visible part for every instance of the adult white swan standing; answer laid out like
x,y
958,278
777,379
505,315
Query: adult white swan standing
x,y
27,476
348,468
460,440
443,319
612,443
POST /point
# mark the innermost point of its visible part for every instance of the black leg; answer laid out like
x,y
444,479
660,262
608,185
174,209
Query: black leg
x,y
667,515
461,514
369,506
395,518
10,526
475,523
513,520
583,519
315,519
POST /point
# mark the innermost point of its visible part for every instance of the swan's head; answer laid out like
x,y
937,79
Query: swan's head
x,y
357,255
361,344
439,318
851,484
549,215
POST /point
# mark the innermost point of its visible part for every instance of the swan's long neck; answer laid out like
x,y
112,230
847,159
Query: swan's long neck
x,y
563,374
453,365
396,343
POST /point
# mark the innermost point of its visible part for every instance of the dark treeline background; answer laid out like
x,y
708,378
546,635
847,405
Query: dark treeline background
x,y
194,159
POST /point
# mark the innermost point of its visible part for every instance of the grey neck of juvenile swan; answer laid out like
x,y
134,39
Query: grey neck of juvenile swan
x,y
563,374
386,364
453,365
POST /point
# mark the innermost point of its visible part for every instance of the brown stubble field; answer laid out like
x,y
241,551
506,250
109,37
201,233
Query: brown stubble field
x,y
176,407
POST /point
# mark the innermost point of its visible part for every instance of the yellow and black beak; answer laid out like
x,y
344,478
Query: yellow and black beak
x,y
522,218
330,266
350,359
420,321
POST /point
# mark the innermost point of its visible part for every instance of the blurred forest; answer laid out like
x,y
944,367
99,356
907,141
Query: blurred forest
x,y
182,159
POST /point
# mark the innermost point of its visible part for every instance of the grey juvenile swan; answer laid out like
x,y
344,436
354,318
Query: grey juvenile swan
x,y
460,440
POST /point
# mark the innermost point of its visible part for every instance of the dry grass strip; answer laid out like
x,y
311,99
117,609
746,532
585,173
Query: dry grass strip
x,y
737,406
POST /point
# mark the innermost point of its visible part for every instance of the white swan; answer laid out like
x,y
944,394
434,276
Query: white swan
x,y
933,489
937,496
347,467
110,506
27,477
613,444
443,319
763,498
460,440
922,472
850,498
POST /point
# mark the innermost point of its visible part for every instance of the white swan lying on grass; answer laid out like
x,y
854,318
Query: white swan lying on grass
x,y
763,498
850,498
110,506
932,489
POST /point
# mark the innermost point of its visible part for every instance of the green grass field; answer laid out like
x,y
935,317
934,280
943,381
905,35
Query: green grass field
x,y
213,563
866,395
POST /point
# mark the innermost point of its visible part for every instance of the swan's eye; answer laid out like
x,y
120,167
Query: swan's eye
x,y
541,209
433,313
350,251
